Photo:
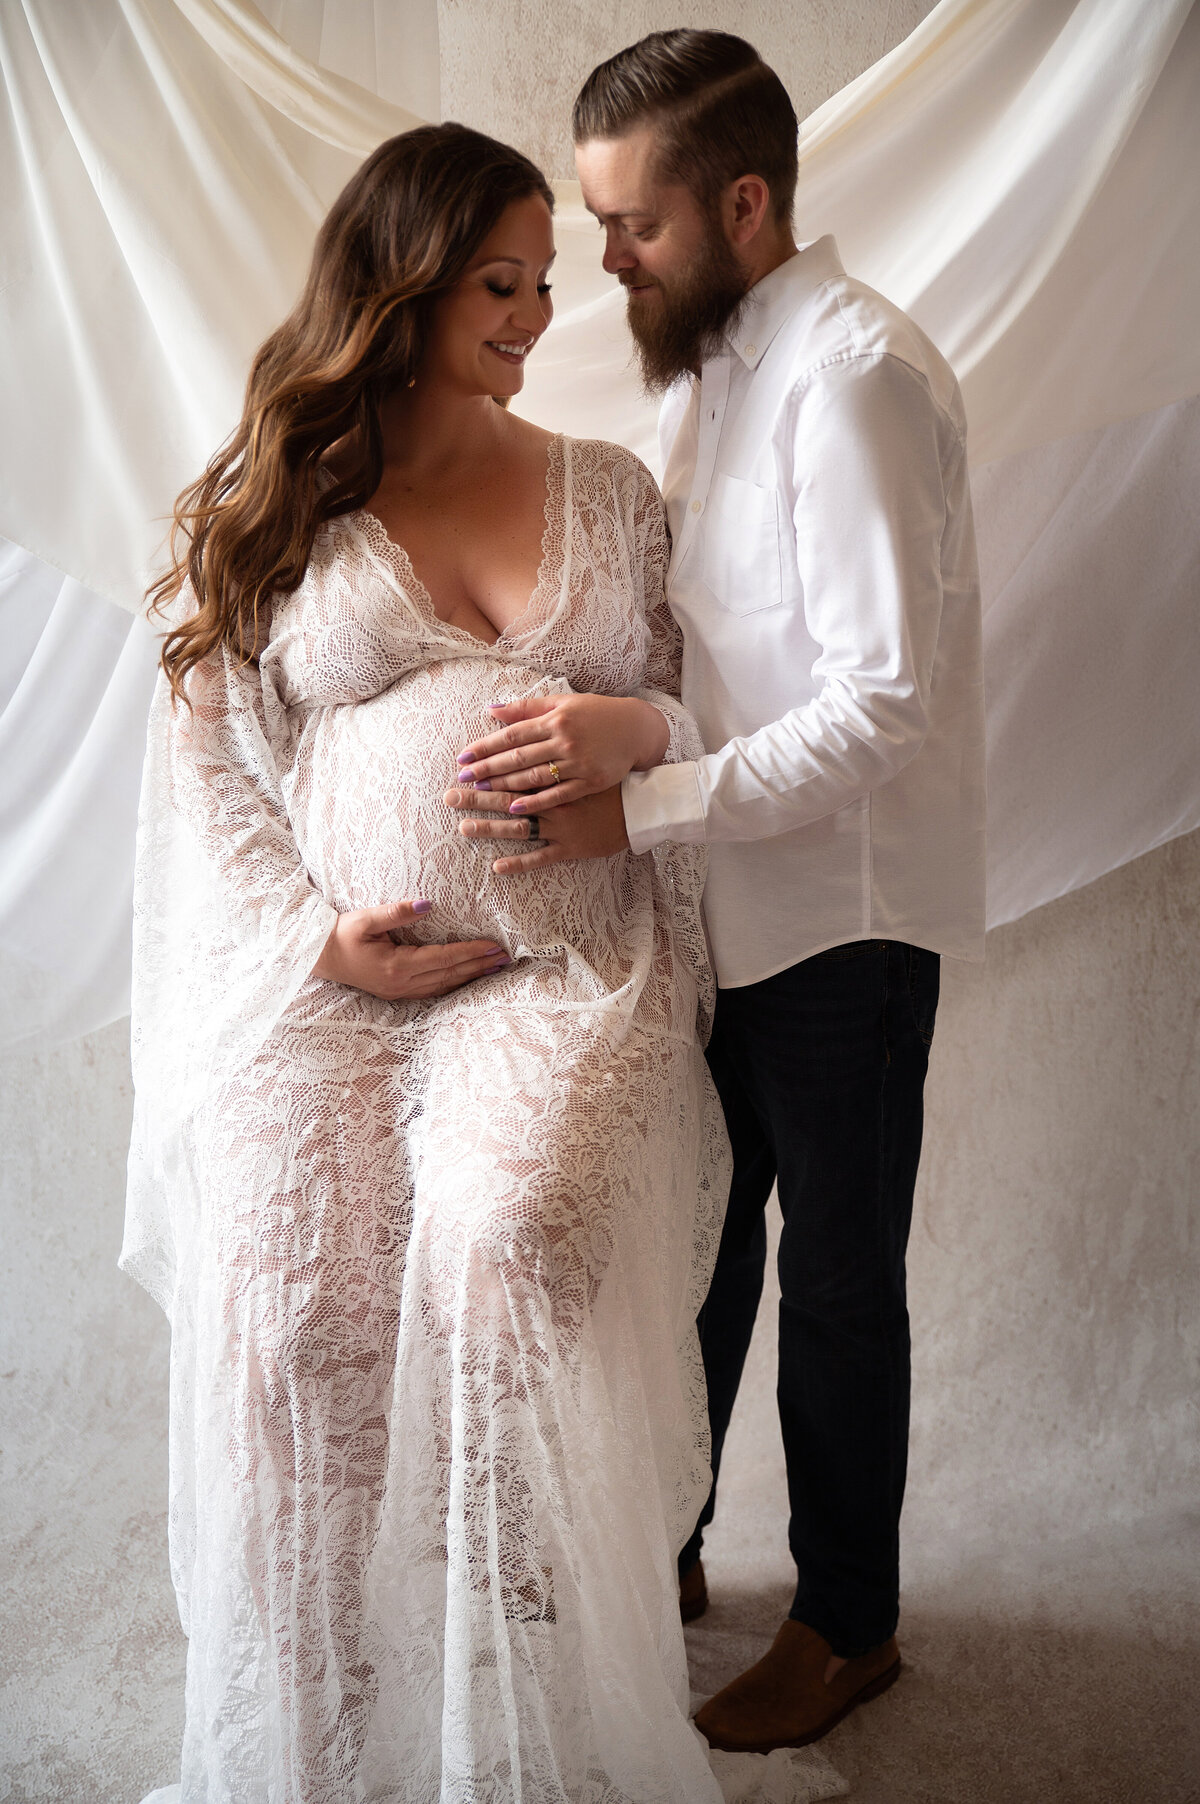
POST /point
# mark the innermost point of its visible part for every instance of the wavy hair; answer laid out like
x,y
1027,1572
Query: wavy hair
x,y
401,233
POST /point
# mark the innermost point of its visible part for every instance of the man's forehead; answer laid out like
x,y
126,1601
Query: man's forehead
x,y
619,178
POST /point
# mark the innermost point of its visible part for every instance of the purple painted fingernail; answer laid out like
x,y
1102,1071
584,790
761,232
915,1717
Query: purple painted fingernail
x,y
483,784
497,704
499,964
517,807
464,757
422,908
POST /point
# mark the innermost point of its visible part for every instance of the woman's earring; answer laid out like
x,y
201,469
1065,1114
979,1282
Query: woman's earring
x,y
412,382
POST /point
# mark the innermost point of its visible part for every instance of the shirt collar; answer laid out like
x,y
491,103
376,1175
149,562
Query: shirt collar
x,y
774,299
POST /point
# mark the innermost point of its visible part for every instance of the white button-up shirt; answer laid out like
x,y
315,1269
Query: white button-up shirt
x,y
823,572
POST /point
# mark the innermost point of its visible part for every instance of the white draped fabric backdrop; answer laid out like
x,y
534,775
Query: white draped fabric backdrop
x,y
1021,175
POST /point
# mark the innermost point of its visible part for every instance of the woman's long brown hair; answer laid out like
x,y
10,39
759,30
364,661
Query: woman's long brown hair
x,y
402,232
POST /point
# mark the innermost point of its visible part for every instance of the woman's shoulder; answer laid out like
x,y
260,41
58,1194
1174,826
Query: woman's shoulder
x,y
603,456
343,591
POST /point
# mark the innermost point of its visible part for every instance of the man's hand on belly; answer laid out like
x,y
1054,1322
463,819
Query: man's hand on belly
x,y
361,953
591,828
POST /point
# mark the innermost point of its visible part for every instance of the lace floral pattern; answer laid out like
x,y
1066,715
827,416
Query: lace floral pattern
x,y
432,1268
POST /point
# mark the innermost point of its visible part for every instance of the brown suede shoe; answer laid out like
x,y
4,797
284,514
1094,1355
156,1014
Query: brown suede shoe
x,y
693,1593
783,1700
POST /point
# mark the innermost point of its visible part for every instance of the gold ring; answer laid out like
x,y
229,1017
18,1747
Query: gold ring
x,y
555,774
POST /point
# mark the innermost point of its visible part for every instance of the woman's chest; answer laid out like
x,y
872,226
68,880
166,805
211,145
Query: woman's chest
x,y
477,564
362,621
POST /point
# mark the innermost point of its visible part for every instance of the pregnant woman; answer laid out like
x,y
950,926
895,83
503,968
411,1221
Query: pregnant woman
x,y
426,1169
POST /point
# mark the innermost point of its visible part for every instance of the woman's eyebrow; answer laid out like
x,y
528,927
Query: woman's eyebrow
x,y
515,262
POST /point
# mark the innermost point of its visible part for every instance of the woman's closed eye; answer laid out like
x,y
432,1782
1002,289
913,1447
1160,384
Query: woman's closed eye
x,y
506,294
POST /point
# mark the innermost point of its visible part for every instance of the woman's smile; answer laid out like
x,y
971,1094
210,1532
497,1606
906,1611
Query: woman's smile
x,y
509,350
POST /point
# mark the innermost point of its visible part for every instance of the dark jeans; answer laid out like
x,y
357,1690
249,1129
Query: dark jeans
x,y
821,1071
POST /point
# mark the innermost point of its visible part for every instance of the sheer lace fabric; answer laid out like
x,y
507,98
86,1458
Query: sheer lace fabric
x,y
432,1268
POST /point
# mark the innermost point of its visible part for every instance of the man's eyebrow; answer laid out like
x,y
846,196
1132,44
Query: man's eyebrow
x,y
620,213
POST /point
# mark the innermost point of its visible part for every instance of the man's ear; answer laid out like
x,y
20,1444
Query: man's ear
x,y
747,203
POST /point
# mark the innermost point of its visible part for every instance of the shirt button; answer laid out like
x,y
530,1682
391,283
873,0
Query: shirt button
x,y
696,506
750,350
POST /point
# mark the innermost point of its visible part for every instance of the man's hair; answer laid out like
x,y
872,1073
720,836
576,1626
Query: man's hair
x,y
720,112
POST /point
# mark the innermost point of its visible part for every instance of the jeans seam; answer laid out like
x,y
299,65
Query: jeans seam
x,y
880,1189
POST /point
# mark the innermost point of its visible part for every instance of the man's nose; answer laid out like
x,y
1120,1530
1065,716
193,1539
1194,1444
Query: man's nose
x,y
617,255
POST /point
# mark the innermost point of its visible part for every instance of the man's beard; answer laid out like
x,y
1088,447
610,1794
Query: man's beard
x,y
692,315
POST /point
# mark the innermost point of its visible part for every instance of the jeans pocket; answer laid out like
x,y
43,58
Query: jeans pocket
x,y
923,971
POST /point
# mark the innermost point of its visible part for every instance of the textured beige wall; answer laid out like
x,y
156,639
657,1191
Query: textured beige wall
x,y
513,67
1056,1254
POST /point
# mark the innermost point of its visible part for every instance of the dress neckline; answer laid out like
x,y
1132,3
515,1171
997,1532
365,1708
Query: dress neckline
x,y
395,558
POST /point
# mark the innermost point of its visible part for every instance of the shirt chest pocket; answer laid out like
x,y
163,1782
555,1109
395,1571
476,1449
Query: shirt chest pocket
x,y
741,551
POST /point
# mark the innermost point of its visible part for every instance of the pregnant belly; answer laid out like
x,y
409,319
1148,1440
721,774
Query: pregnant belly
x,y
366,797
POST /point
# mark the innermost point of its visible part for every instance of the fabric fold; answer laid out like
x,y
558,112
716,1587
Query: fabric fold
x,y
338,111
1016,173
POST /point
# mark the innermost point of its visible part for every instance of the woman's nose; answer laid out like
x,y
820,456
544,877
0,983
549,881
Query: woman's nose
x,y
532,318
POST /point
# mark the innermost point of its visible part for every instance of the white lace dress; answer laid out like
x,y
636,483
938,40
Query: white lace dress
x,y
432,1268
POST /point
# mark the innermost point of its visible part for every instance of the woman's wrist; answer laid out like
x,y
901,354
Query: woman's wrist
x,y
653,735
327,965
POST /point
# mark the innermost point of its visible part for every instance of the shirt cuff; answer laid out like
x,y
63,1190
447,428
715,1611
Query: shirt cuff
x,y
663,803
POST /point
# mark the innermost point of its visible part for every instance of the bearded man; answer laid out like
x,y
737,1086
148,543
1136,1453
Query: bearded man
x,y
824,577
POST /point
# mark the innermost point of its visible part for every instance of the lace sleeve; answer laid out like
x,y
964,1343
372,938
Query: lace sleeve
x,y
222,785
653,550
681,869
227,928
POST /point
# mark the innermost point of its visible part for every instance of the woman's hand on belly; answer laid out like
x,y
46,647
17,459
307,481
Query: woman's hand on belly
x,y
361,953
565,747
